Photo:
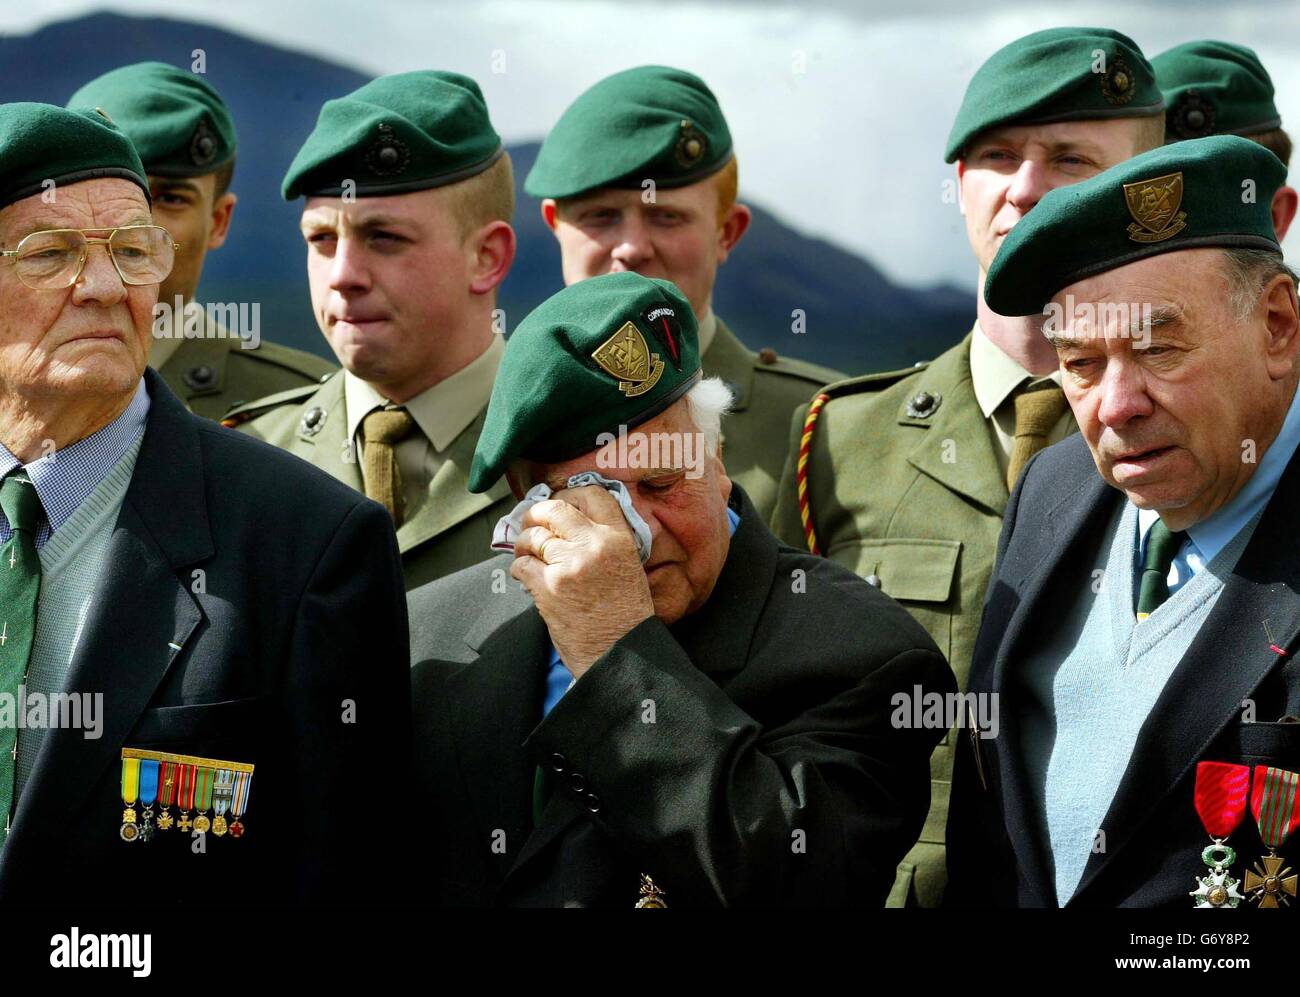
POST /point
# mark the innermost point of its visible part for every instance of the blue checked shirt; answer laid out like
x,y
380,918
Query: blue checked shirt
x,y
559,679
65,478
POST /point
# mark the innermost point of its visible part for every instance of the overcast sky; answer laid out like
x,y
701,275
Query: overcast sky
x,y
839,110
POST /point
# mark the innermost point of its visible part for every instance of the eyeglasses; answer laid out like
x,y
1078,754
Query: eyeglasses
x,y
54,259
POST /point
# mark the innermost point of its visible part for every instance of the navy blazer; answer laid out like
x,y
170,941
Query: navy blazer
x,y
250,609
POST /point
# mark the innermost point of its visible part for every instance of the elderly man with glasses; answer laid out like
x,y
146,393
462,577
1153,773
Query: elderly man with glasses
x,y
153,666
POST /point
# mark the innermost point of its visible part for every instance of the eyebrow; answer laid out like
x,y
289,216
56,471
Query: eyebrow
x,y
174,183
374,221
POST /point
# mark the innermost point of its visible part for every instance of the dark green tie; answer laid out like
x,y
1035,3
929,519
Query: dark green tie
x,y
1162,547
20,584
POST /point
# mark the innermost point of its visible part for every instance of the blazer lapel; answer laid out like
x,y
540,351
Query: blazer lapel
x,y
141,617
1227,660
1069,527
495,701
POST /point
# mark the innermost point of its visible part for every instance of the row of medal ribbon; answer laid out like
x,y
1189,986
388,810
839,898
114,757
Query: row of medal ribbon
x,y
188,783
1224,791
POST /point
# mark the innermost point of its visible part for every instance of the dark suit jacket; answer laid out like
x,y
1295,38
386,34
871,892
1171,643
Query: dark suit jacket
x,y
770,774
245,597
1050,544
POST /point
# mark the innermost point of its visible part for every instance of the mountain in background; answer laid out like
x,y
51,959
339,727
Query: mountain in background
x,y
856,319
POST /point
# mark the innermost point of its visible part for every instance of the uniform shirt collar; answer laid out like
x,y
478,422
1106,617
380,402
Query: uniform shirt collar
x,y
994,375
64,478
443,411
1212,534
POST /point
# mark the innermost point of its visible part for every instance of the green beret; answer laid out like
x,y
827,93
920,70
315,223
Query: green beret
x,y
408,131
177,122
1215,88
1056,75
40,142
1181,196
649,123
609,351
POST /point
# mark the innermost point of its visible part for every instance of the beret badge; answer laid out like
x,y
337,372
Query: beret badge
x,y
626,357
388,156
1154,206
203,144
691,145
1117,83
1192,116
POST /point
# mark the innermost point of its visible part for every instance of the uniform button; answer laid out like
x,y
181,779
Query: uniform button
x,y
313,421
873,581
558,762
593,803
577,783
767,355
200,377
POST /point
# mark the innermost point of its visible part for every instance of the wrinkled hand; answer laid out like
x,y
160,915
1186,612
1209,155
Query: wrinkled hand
x,y
577,558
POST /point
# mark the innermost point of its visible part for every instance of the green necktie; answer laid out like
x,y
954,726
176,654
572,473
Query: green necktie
x,y
20,583
1162,546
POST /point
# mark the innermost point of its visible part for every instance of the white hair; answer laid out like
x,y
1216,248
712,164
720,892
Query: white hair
x,y
707,403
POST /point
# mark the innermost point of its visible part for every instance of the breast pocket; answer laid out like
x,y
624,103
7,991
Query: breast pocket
x,y
201,723
920,574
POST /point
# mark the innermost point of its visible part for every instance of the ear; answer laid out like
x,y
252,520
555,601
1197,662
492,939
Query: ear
x,y
733,227
1282,319
221,213
1284,208
550,213
494,248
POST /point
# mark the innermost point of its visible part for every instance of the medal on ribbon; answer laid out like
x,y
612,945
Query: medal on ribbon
x,y
203,797
1273,803
221,794
167,795
148,796
1222,794
239,802
185,794
130,829
193,785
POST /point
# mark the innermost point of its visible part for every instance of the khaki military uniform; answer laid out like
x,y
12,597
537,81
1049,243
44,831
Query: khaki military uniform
x,y
214,374
906,485
767,389
446,528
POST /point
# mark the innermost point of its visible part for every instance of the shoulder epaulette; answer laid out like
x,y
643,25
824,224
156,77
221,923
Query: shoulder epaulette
x,y
245,411
767,359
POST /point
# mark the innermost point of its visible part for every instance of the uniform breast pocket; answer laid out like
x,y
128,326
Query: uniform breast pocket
x,y
920,574
1269,744
231,719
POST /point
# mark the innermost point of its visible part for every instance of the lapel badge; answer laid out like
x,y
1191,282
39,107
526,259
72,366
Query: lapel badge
x,y
193,785
388,155
1117,84
651,895
691,145
626,357
1154,206
313,421
924,404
